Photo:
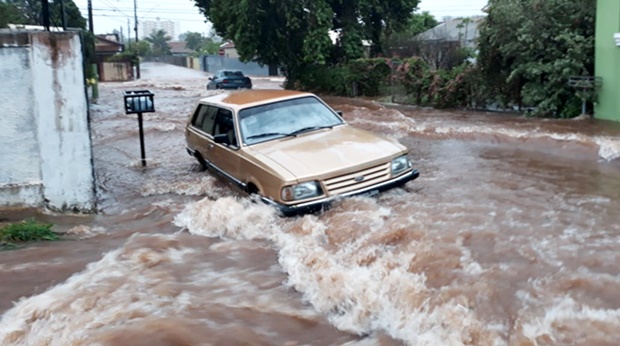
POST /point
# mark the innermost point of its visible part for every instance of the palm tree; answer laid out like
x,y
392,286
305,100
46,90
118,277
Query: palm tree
x,y
159,43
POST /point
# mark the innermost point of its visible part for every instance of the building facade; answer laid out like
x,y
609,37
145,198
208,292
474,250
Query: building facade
x,y
607,60
151,26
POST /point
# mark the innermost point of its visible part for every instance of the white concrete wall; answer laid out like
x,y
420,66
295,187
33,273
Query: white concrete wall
x,y
45,146
20,176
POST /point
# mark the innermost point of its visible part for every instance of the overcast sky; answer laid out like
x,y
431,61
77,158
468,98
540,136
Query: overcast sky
x,y
114,14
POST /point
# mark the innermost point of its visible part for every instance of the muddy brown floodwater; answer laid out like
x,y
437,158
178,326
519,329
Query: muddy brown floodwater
x,y
511,236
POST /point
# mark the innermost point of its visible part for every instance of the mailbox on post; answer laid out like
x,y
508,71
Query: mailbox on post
x,y
138,102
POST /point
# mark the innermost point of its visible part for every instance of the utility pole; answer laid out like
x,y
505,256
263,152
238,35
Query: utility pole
x,y
128,31
63,15
135,14
90,17
46,14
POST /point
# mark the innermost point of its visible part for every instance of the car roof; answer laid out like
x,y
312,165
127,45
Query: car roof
x,y
246,98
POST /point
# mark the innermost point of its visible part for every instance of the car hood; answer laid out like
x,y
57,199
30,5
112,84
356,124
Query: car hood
x,y
329,152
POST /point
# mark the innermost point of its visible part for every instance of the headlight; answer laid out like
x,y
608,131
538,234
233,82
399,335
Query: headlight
x,y
400,164
301,191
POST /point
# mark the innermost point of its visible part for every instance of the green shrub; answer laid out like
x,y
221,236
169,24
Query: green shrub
x,y
25,231
370,74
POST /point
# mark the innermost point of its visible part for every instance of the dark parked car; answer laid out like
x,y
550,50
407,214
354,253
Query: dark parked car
x,y
229,79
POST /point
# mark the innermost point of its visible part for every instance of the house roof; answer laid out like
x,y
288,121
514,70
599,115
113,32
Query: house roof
x,y
179,47
103,40
457,29
227,45
104,45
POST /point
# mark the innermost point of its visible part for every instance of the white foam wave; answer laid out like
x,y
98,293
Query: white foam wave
x,y
138,283
361,284
567,315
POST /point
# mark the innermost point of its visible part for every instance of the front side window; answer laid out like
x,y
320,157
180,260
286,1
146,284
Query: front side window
x,y
285,118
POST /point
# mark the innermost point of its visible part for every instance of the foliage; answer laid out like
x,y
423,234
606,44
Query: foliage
x,y
30,12
361,77
25,231
417,24
530,48
159,43
133,52
335,80
441,88
294,35
9,14
201,45
369,75
193,40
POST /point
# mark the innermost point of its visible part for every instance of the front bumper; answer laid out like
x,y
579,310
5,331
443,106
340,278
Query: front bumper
x,y
321,204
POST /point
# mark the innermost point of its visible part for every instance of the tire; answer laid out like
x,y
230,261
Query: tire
x,y
201,162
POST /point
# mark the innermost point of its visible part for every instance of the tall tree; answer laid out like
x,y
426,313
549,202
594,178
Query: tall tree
x,y
9,14
159,43
194,40
295,34
530,48
30,11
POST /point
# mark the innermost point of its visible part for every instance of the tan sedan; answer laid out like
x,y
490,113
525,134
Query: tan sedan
x,y
292,149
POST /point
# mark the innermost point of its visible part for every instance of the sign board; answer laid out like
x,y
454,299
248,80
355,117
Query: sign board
x,y
138,101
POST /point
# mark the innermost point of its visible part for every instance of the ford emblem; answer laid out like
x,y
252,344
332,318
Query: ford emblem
x,y
360,178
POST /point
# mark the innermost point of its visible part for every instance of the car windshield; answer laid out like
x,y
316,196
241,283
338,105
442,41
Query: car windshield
x,y
232,73
285,118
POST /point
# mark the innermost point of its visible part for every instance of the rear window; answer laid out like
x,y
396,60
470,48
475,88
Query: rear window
x,y
233,74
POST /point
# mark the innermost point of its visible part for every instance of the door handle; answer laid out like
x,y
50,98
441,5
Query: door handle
x,y
210,146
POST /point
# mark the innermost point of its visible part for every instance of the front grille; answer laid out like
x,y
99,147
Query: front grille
x,y
357,180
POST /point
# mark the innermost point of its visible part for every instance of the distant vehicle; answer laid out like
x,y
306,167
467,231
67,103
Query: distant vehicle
x,y
229,79
292,149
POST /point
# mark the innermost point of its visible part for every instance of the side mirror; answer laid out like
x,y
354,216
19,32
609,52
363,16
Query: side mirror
x,y
221,139
339,113
210,78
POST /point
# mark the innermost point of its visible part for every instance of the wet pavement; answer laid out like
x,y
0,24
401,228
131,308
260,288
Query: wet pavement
x,y
511,236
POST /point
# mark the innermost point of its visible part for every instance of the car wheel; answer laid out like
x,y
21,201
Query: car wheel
x,y
201,161
252,189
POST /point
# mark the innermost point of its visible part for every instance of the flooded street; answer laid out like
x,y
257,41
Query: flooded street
x,y
511,236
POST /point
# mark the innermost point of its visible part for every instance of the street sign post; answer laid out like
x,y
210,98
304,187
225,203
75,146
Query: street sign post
x,y
138,102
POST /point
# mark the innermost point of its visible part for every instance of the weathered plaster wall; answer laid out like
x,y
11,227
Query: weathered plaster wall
x,y
20,176
45,146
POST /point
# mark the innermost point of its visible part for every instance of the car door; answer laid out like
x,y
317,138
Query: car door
x,y
200,130
225,156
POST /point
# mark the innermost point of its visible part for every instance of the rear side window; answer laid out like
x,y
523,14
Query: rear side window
x,y
204,118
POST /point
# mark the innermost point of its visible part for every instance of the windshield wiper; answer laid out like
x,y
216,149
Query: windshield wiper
x,y
268,134
309,128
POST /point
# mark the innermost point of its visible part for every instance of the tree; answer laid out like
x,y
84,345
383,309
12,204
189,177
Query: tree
x,y
30,12
194,40
294,35
530,48
403,42
133,52
209,47
159,43
9,14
